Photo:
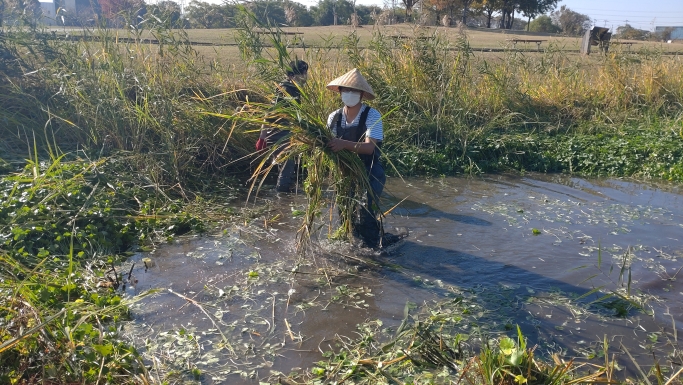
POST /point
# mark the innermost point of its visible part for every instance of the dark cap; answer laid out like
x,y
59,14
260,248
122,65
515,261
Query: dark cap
x,y
297,67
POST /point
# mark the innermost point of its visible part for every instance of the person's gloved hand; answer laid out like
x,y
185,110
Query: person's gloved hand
x,y
261,144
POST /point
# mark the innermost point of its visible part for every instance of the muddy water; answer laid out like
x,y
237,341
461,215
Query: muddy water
x,y
568,260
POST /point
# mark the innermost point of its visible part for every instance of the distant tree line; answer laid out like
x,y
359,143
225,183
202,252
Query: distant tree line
x,y
115,13
283,13
200,14
532,15
495,13
331,12
505,10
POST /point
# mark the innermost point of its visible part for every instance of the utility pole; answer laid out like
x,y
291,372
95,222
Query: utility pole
x,y
393,7
334,12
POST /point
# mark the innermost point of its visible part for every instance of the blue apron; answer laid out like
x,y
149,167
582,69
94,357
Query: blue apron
x,y
367,227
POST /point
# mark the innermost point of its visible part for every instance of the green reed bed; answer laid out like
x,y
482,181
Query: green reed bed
x,y
460,111
639,149
102,96
64,226
455,111
145,131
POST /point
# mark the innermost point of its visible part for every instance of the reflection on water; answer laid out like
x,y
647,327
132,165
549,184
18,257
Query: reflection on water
x,y
539,251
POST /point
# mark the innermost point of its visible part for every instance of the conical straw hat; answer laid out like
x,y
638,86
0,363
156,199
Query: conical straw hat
x,y
353,79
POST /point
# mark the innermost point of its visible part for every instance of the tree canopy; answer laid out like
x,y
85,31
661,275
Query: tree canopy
x,y
630,33
571,22
201,14
532,8
544,23
206,15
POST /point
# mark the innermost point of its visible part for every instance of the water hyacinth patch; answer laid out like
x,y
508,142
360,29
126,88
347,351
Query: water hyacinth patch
x,y
64,225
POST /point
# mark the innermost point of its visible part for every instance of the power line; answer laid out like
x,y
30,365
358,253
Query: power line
x,y
655,12
635,14
636,17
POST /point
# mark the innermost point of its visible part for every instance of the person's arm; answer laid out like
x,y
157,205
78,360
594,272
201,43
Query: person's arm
x,y
264,132
373,135
364,148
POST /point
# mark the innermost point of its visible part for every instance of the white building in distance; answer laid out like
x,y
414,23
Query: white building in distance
x,y
49,13
676,32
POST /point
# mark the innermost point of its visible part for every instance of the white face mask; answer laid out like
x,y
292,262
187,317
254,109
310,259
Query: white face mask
x,y
350,98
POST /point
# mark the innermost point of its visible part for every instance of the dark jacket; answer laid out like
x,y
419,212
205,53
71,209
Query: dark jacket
x,y
285,93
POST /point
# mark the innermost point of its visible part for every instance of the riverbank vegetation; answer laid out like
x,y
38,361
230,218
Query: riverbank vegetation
x,y
111,146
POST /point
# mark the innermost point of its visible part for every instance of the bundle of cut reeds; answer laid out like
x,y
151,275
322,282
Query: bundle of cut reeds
x,y
341,172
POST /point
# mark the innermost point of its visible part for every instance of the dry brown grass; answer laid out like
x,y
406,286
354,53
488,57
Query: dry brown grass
x,y
485,43
479,38
229,57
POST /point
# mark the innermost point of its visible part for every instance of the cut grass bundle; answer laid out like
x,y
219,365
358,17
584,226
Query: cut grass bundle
x,y
306,120
430,350
342,171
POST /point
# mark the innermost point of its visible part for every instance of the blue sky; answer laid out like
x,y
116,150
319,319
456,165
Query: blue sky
x,y
640,14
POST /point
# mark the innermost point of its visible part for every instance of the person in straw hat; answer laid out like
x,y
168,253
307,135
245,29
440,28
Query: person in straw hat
x,y
287,91
357,127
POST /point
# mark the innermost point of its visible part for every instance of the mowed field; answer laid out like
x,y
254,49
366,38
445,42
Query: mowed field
x,y
219,46
482,41
479,38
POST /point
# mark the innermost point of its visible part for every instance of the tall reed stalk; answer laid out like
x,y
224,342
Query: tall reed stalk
x,y
343,172
105,91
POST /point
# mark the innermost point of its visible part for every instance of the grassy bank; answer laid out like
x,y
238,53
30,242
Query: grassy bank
x,y
115,148
129,142
643,150
481,39
64,227
452,110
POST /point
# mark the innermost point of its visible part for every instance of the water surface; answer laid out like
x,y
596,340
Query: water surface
x,y
569,260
